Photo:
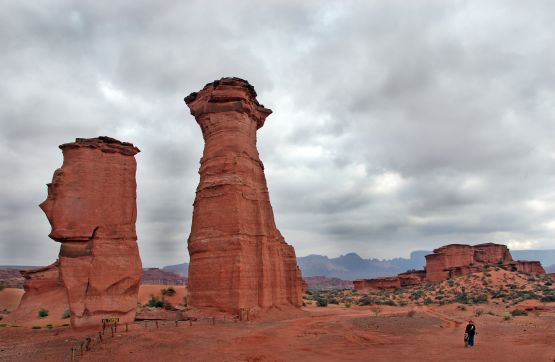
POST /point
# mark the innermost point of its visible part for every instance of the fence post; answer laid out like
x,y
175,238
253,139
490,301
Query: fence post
x,y
156,323
112,329
72,354
126,327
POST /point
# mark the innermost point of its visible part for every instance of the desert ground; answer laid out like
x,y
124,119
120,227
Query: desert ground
x,y
333,333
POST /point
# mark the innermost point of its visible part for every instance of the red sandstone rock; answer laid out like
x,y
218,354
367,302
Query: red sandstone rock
x,y
377,283
239,259
491,253
448,256
91,206
44,289
526,266
452,261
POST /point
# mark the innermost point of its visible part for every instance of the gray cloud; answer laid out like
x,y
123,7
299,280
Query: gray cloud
x,y
396,126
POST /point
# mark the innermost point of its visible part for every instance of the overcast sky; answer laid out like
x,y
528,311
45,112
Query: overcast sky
x,y
397,125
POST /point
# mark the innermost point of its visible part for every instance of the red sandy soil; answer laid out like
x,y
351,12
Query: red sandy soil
x,y
9,298
333,333
146,291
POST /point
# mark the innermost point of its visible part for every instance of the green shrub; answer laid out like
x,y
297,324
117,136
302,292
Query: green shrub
x,y
155,302
43,313
66,314
427,301
519,312
170,292
548,298
321,302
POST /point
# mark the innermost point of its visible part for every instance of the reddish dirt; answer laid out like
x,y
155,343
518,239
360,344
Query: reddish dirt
x,y
146,291
334,333
9,298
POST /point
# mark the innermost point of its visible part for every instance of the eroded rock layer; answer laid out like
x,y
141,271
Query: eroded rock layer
x,y
91,206
238,257
452,261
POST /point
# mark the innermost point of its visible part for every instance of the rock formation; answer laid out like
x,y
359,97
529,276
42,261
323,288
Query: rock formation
x,y
238,258
44,289
451,261
91,206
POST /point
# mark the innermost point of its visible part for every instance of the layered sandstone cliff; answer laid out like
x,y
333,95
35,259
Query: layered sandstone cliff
x,y
238,257
91,206
451,261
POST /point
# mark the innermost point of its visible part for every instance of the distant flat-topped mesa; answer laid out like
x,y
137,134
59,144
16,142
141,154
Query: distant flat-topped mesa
x,y
91,206
238,257
454,260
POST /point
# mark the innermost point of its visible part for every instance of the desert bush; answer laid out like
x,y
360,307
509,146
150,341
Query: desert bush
x,y
411,313
2,286
155,302
417,294
43,313
461,307
66,314
450,282
170,292
333,300
478,299
3,325
428,301
347,304
548,298
49,326
519,312
376,310
65,325
321,302
478,312
490,312
36,327
506,316
365,300
403,303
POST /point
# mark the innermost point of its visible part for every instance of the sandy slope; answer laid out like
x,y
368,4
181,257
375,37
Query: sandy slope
x,y
9,298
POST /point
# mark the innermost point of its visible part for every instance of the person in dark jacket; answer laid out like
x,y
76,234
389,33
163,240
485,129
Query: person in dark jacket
x,y
469,334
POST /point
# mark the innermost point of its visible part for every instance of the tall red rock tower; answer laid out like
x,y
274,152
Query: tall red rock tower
x,y
239,259
91,206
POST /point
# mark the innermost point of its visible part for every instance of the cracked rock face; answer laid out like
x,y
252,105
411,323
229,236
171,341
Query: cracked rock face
x,y
91,206
238,258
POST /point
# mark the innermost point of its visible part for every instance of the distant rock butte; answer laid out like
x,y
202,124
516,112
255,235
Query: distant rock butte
x,y
451,261
238,258
91,206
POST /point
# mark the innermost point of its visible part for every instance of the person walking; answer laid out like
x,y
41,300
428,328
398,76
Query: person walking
x,y
469,334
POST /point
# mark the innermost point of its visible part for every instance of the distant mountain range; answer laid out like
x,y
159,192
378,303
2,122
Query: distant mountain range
x,y
351,266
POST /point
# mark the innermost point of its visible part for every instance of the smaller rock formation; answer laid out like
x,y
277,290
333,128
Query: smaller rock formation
x,y
91,206
525,266
44,289
451,261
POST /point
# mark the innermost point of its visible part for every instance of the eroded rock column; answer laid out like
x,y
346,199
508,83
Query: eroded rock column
x,y
91,206
238,258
